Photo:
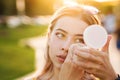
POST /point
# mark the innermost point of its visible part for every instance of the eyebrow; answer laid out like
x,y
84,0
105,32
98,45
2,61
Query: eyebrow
x,y
67,32
79,35
62,30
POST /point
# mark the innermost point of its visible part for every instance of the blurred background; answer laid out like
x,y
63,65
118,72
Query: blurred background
x,y
23,20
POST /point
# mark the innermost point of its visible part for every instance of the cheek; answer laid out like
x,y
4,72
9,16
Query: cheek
x,y
54,46
55,42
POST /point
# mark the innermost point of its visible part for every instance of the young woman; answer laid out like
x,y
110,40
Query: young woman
x,y
66,56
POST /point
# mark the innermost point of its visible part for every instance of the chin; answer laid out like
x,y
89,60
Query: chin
x,y
58,66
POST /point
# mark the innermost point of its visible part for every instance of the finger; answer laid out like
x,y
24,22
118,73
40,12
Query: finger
x,y
106,47
87,57
92,51
88,76
91,68
102,56
84,49
96,53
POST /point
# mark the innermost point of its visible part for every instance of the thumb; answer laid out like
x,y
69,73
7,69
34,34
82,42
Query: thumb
x,y
106,47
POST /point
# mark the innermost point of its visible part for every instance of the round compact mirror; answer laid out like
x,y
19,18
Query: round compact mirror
x,y
95,36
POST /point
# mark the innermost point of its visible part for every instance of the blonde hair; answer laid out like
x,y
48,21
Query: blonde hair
x,y
88,14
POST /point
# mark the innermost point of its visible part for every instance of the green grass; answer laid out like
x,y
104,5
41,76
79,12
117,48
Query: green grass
x,y
15,60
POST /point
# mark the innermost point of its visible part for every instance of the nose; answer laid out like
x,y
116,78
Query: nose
x,y
66,45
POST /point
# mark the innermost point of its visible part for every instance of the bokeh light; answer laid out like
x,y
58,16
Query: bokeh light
x,y
70,2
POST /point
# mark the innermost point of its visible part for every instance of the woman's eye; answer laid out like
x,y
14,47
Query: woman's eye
x,y
60,35
79,40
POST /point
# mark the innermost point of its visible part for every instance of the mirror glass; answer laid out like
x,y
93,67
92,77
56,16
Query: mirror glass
x,y
95,36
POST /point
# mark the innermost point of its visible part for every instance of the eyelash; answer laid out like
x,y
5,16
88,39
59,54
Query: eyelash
x,y
60,35
79,40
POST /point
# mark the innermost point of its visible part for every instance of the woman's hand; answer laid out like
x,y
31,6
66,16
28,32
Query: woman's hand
x,y
71,71
94,62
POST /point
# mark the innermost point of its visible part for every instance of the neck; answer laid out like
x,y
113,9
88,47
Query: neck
x,y
56,74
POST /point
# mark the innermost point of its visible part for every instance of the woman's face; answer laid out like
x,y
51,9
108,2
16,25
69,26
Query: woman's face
x,y
68,30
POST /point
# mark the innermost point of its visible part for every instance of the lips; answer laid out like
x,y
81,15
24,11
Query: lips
x,y
61,58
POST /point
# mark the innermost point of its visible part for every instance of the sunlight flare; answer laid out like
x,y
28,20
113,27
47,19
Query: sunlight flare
x,y
105,0
70,2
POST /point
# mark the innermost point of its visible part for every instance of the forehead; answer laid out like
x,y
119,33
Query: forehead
x,y
72,25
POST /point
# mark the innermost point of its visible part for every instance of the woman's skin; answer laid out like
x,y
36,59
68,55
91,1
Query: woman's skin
x,y
73,65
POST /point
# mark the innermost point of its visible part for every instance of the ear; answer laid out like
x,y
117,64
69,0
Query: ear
x,y
106,47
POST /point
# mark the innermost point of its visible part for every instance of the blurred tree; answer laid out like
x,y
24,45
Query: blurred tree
x,y
102,6
8,7
39,7
1,7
